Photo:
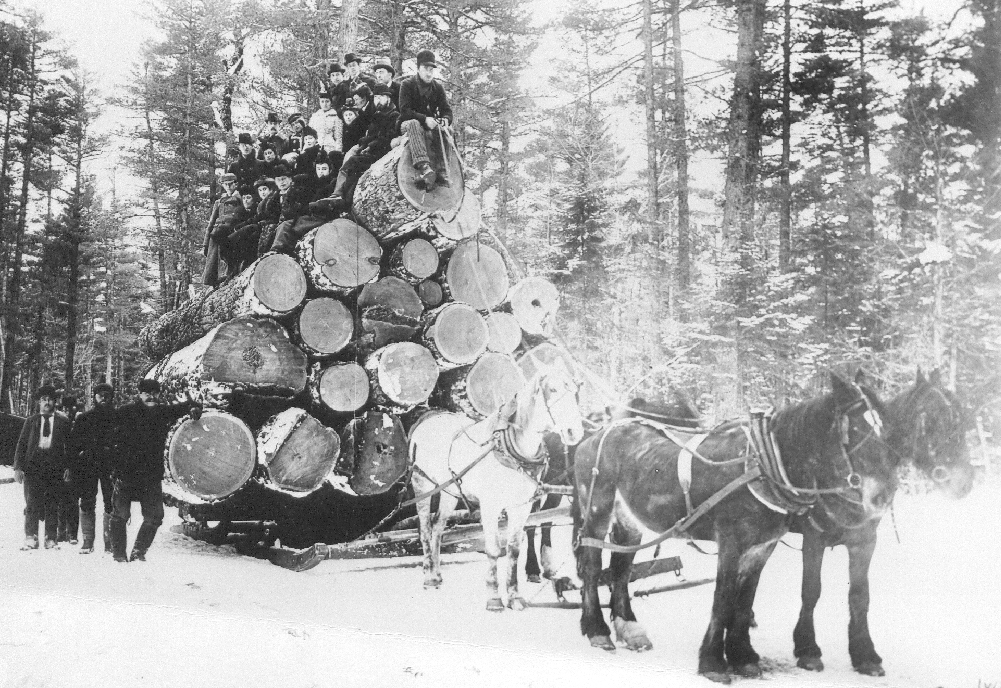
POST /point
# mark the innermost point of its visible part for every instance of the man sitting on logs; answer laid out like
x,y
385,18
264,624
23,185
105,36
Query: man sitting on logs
x,y
423,108
141,432
238,245
294,203
247,167
384,73
325,177
92,444
376,142
220,222
307,156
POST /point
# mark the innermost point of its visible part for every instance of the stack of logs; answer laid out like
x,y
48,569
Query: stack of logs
x,y
312,367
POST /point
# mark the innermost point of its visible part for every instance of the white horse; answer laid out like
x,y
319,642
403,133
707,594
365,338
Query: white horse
x,y
443,445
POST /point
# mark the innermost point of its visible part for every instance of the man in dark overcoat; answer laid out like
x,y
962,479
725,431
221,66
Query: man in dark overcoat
x,y
92,448
40,464
423,108
141,433
69,503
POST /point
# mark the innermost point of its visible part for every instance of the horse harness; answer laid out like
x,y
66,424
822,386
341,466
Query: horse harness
x,y
764,473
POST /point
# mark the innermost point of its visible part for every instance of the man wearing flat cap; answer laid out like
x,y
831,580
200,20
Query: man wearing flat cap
x,y
246,167
41,465
138,470
92,445
221,219
423,108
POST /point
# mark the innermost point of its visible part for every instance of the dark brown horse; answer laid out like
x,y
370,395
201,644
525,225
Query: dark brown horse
x,y
925,427
827,450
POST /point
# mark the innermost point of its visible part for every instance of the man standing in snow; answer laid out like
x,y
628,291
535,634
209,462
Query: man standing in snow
x,y
40,464
92,445
141,431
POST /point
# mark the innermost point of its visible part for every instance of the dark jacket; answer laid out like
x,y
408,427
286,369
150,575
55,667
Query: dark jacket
x,y
358,128
141,436
295,203
92,442
238,217
414,104
247,170
269,210
278,144
222,214
324,188
378,138
33,461
305,163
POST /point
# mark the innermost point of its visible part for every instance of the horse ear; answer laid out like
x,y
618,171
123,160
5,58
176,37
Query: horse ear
x,y
920,377
845,393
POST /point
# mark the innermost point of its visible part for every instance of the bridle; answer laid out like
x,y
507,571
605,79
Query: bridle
x,y
875,423
939,472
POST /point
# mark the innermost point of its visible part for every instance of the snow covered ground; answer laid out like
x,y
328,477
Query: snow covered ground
x,y
197,615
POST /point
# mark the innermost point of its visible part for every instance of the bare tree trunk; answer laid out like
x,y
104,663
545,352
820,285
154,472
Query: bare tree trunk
x,y
502,177
680,149
867,191
785,208
653,202
75,238
4,168
349,25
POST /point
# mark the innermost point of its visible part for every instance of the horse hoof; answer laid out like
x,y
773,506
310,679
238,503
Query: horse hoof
x,y
750,670
494,604
432,583
518,604
717,676
632,634
602,642
563,583
534,578
810,663
871,669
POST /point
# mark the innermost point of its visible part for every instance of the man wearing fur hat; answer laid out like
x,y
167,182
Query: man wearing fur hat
x,y
221,218
328,124
247,167
138,469
91,448
40,464
423,108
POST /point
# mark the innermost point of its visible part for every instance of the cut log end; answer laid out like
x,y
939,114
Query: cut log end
x,y
298,451
487,385
504,333
430,293
534,302
390,310
375,452
211,458
456,334
466,222
325,326
340,256
414,260
279,283
403,374
343,387
476,275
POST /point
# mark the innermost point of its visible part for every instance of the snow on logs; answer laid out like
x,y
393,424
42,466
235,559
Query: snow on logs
x,y
210,458
339,256
401,375
297,451
273,286
374,452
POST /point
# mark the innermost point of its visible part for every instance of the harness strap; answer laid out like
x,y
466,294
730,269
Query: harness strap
x,y
455,479
683,524
685,468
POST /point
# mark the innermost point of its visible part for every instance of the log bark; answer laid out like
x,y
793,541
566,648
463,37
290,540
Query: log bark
x,y
430,293
503,333
476,275
534,302
339,257
374,452
210,458
414,260
253,355
340,387
390,312
456,334
273,286
297,451
402,375
483,387
324,327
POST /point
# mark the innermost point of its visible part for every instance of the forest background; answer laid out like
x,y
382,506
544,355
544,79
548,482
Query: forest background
x,y
733,196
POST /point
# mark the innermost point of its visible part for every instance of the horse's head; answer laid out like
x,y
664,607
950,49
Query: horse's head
x,y
556,388
860,422
936,442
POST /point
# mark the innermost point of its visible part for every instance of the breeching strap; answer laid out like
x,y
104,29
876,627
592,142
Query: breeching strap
x,y
456,478
683,524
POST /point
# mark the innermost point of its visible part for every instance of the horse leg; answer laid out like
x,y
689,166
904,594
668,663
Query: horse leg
x,y
712,663
532,570
489,515
516,517
592,622
427,521
860,646
546,540
804,636
627,629
739,652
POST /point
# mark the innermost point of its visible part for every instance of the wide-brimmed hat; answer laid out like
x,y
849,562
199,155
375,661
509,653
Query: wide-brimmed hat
x,y
384,64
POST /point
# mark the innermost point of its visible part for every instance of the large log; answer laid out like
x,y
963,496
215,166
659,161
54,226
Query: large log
x,y
534,302
210,458
414,260
483,387
430,293
456,334
254,355
476,275
402,375
339,256
297,451
374,452
324,327
464,225
390,312
391,212
340,387
504,332
272,286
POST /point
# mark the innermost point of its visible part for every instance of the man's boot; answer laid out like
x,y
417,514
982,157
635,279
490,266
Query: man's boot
x,y
340,199
88,524
30,542
107,533
144,538
119,534
426,174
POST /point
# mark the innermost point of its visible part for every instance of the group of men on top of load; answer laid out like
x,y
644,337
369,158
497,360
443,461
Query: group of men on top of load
x,y
278,190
